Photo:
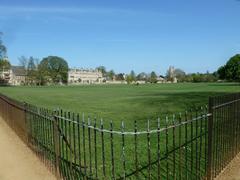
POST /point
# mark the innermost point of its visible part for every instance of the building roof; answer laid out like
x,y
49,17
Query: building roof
x,y
18,70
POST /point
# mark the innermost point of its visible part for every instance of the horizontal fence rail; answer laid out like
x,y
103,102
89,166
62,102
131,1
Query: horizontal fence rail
x,y
197,144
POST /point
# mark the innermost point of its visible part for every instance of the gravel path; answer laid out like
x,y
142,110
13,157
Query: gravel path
x,y
17,161
232,171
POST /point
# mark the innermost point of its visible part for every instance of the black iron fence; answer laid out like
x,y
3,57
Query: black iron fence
x,y
224,132
197,144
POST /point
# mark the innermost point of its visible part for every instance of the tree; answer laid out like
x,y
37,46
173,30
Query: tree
x,y
200,77
133,76
53,69
111,74
120,77
31,71
30,65
3,49
102,69
231,71
142,76
4,65
153,77
221,72
128,79
23,61
180,74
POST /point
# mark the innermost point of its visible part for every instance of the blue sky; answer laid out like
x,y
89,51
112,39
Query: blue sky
x,y
143,35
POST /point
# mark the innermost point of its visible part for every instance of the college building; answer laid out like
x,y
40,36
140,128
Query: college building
x,y
16,75
84,76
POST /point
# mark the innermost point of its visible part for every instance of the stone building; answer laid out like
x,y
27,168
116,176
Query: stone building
x,y
84,76
5,76
16,75
172,75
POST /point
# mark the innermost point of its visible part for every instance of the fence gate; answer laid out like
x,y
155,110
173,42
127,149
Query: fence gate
x,y
224,132
66,133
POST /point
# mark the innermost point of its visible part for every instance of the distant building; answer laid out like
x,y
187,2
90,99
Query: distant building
x,y
161,79
5,76
84,76
4,73
140,82
171,72
172,75
17,75
116,82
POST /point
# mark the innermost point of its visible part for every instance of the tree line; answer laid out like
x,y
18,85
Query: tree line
x,y
131,77
50,70
54,70
153,77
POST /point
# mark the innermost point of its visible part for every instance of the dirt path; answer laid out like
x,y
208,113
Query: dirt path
x,y
17,161
232,171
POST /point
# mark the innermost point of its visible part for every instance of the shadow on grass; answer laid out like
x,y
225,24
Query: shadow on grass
x,y
225,84
171,103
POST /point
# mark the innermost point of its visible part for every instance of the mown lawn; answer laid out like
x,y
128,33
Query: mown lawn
x,y
129,103
122,102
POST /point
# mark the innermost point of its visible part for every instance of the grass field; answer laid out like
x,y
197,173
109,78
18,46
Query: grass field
x,y
122,102
130,103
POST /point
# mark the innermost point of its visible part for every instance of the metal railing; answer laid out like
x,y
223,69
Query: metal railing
x,y
197,144
224,136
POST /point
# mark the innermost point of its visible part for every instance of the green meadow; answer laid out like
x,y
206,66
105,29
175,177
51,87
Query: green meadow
x,y
131,103
122,102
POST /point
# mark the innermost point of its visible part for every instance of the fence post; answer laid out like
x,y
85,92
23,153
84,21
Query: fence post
x,y
56,145
210,135
26,122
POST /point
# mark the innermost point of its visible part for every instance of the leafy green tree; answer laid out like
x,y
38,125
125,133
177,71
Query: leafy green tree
x,y
53,69
153,77
231,71
188,78
210,77
221,73
199,77
4,65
